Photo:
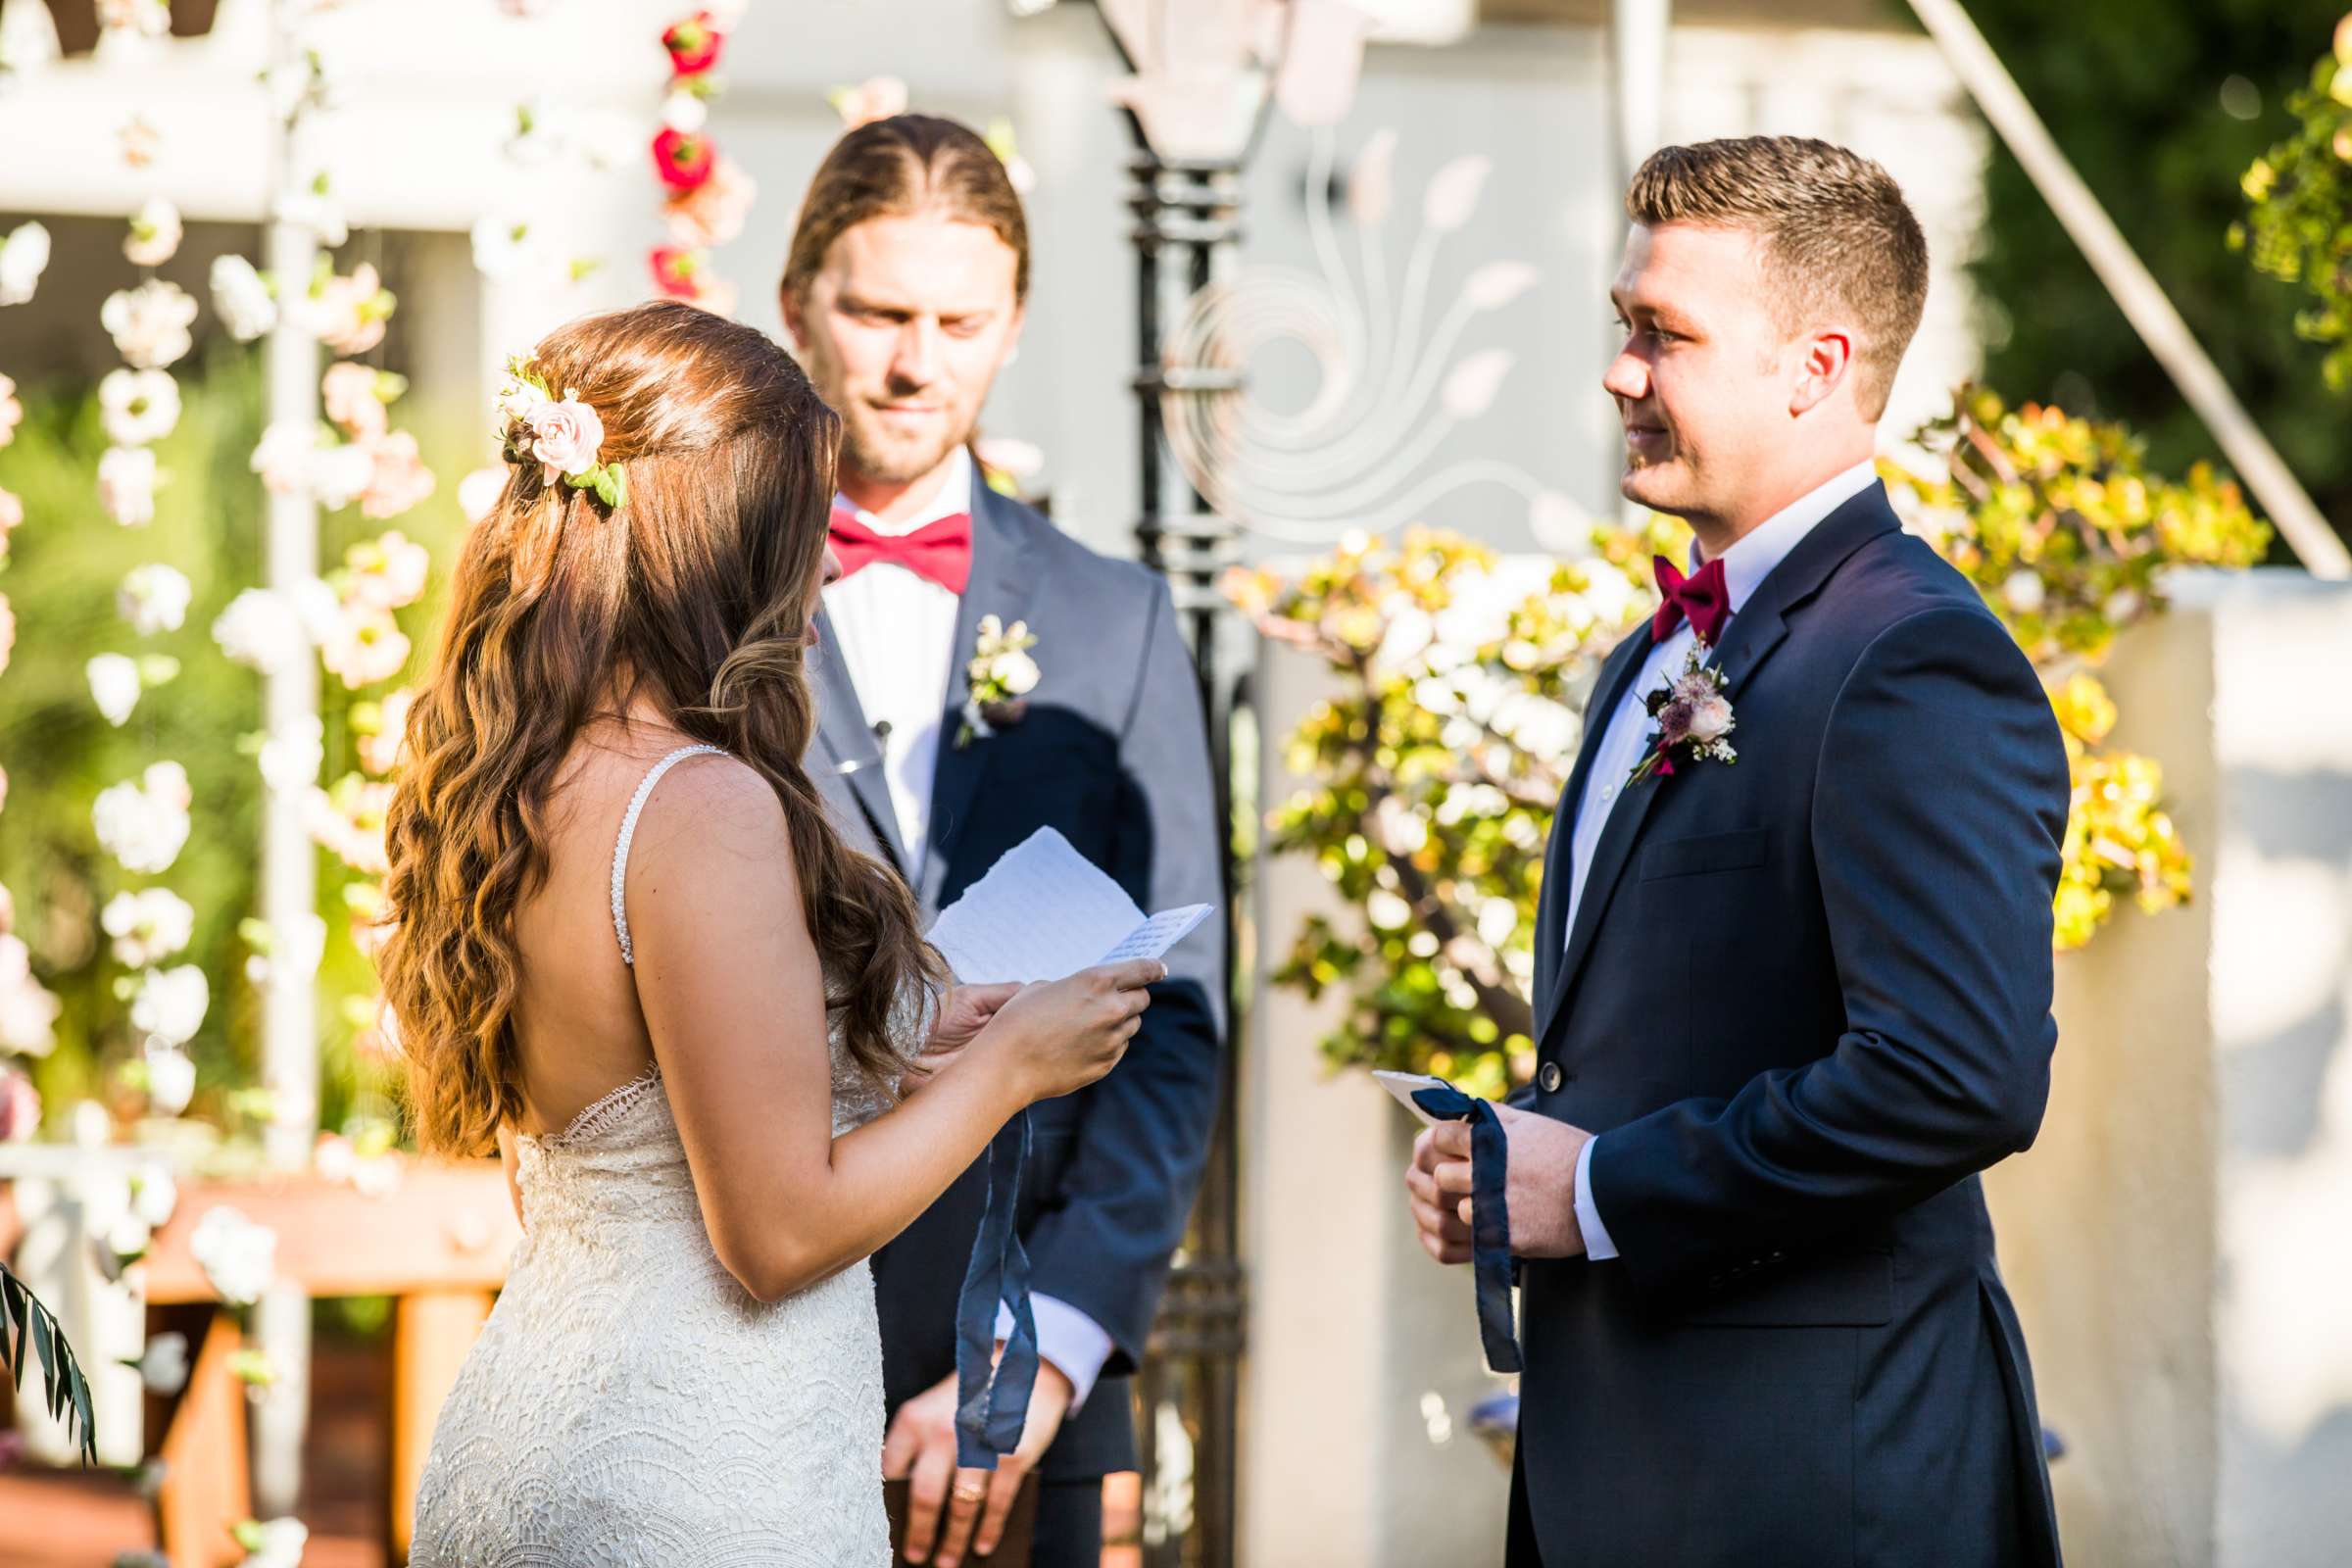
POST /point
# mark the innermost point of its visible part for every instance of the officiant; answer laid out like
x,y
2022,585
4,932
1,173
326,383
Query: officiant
x,y
982,676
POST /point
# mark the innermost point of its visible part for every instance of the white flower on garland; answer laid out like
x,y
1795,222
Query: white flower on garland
x,y
139,407
147,926
127,485
115,686
243,298
154,1194
19,1107
27,1010
341,474
383,731
685,112
154,598
478,492
164,1367
366,645
291,759
239,1257
278,1544
349,313
262,630
316,211
170,1004
505,248
388,570
146,18
283,456
150,324
170,1079
144,824
155,233
24,257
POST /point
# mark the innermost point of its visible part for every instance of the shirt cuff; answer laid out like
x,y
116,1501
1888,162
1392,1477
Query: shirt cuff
x,y
1597,1246
1074,1342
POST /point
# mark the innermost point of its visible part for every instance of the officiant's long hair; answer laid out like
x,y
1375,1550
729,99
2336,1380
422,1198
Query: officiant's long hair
x,y
695,589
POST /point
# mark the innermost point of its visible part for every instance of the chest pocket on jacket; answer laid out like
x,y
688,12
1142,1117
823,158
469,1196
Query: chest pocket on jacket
x,y
1704,853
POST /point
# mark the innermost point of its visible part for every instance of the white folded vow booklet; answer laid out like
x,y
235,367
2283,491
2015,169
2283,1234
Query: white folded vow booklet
x,y
1043,912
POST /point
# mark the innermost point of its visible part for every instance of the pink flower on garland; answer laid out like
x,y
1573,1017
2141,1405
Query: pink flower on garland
x,y
712,213
683,160
693,44
677,271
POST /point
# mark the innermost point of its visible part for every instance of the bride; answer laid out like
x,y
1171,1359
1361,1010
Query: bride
x,y
630,953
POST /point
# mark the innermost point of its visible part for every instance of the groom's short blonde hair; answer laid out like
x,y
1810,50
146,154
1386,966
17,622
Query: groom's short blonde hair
x,y
1837,239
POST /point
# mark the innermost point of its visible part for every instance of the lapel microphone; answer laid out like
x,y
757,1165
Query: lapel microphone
x,y
882,729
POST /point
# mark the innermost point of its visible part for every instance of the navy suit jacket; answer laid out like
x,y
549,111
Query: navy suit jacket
x,y
1807,998
1114,752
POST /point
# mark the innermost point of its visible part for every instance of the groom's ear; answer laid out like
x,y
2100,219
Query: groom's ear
x,y
1827,360
791,304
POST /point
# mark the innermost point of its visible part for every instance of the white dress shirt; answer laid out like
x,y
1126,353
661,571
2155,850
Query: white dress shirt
x,y
1631,730
895,632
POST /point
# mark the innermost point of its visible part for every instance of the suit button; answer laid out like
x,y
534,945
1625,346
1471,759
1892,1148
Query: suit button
x,y
1550,1078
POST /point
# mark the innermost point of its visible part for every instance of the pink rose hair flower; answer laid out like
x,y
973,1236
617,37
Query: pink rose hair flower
x,y
562,435
693,44
683,159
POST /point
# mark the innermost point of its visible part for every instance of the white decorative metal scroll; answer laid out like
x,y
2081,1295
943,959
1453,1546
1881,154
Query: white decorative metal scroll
x,y
1373,447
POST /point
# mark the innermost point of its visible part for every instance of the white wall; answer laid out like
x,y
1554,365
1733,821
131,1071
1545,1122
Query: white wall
x,y
2175,1239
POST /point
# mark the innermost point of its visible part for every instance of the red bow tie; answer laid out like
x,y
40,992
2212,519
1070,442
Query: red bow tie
x,y
941,551
1702,599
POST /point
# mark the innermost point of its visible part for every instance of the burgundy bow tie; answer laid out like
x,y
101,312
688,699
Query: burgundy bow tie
x,y
941,551
1702,599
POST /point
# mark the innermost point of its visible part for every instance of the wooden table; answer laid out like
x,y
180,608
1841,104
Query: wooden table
x,y
438,1243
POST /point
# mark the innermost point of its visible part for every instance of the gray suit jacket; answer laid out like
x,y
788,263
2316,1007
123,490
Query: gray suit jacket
x,y
1112,751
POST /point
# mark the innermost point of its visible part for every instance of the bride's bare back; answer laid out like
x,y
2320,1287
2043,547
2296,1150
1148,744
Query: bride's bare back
x,y
578,1029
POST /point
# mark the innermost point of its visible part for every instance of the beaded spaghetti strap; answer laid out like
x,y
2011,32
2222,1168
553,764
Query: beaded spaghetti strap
x,y
628,830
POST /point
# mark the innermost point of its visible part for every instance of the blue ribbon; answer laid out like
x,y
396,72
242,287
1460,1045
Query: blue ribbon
x,y
992,1393
1490,1215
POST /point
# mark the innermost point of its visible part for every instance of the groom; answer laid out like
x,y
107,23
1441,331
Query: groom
x,y
904,294
1787,1008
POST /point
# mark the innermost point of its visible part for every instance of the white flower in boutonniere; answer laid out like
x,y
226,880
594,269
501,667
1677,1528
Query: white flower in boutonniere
x,y
1001,673
1693,717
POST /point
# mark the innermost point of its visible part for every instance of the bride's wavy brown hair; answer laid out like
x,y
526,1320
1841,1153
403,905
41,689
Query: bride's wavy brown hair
x,y
693,592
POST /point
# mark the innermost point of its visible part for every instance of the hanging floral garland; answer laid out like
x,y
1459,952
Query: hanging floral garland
x,y
708,196
28,1011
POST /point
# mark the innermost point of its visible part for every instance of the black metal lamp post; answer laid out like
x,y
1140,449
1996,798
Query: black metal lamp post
x,y
1194,121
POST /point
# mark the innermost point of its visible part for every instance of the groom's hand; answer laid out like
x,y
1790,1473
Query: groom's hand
x,y
1436,1216
921,1446
1540,1190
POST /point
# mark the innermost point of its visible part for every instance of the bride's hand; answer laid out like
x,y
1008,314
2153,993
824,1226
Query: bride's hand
x,y
1063,1035
963,1013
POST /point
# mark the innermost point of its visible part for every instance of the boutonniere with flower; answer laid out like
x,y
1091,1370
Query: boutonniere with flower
x,y
1693,717
562,435
1001,673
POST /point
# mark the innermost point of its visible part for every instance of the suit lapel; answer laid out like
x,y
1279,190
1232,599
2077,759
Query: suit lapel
x,y
848,753
1756,629
1560,860
1004,583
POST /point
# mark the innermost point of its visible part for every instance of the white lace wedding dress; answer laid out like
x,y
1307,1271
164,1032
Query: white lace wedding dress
x,y
628,1402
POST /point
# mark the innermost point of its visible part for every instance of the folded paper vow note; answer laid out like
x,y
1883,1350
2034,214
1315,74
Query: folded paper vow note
x,y
1045,911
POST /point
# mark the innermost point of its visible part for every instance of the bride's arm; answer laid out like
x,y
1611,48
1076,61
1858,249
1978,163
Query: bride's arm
x,y
728,977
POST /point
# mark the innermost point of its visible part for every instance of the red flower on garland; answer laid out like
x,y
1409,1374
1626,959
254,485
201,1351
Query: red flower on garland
x,y
683,160
694,43
677,271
